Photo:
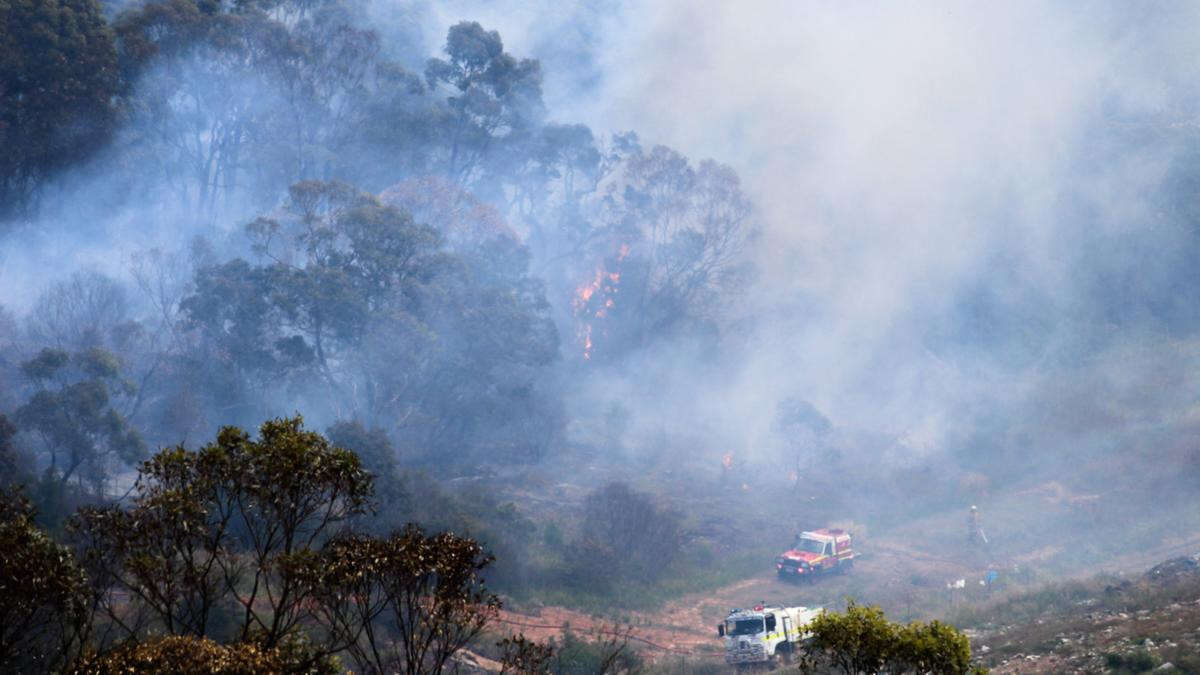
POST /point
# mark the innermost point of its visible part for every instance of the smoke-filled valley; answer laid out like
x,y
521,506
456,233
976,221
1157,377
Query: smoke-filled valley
x,y
625,294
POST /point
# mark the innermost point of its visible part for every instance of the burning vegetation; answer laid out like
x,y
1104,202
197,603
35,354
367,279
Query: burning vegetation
x,y
594,301
614,378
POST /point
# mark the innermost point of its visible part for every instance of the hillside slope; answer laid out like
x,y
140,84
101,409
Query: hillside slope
x,y
1150,622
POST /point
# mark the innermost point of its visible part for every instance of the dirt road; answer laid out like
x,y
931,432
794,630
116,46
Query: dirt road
x,y
907,583
687,626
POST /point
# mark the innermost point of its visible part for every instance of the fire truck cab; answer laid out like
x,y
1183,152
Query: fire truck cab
x,y
814,553
764,634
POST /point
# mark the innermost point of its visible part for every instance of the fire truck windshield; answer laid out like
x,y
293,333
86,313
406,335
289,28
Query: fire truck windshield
x,y
810,545
743,626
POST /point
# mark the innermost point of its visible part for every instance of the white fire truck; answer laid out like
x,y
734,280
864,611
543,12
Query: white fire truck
x,y
765,634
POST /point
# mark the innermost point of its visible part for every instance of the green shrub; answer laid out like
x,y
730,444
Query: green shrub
x,y
577,656
43,593
188,654
860,641
932,647
863,640
553,537
1137,661
625,534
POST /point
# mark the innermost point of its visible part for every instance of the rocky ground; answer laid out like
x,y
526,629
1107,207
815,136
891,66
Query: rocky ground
x,y
1146,624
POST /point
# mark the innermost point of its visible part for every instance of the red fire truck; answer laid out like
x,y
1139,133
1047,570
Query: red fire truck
x,y
816,553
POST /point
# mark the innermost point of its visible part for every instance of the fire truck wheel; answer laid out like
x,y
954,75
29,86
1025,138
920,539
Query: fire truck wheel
x,y
784,654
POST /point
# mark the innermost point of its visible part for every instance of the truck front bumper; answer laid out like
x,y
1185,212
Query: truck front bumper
x,y
751,654
786,571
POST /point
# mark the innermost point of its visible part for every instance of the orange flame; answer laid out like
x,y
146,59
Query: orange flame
x,y
727,461
587,343
585,292
604,282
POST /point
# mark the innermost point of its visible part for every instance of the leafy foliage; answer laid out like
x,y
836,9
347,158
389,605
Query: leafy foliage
x,y
350,283
11,464
43,618
933,647
522,655
575,655
624,535
74,414
421,322
210,534
494,97
862,640
401,604
58,81
192,655
247,542
230,106
657,248
242,94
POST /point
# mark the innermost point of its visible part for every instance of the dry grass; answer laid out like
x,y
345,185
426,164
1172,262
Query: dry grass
x,y
1105,624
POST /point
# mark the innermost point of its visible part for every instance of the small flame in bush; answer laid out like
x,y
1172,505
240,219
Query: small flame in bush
x,y
595,299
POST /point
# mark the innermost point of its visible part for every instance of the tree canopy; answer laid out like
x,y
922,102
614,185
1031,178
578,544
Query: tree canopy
x,y
58,89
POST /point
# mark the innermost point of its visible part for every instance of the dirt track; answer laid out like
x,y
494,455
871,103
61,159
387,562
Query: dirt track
x,y
907,583
687,626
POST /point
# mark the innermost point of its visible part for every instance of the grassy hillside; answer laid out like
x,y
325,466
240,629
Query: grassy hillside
x,y
1109,623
